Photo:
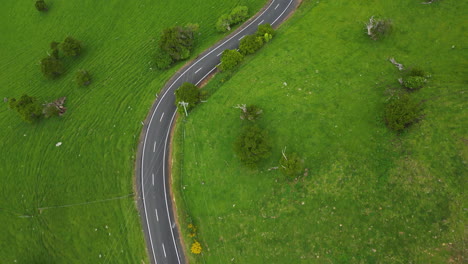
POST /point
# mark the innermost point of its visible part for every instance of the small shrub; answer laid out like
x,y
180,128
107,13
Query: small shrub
x,y
41,5
196,248
400,112
82,78
291,165
239,14
230,59
250,44
224,23
50,110
415,71
71,47
252,145
52,67
414,82
188,94
378,28
28,107
251,113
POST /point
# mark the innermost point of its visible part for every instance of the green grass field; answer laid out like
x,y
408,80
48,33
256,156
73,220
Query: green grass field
x,y
99,132
371,196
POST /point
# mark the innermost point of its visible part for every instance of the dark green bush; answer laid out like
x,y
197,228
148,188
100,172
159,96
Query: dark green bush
x,y
291,165
250,44
28,107
251,113
83,78
41,5
71,47
266,32
189,94
162,59
253,145
52,67
178,41
414,82
239,14
230,60
401,111
378,28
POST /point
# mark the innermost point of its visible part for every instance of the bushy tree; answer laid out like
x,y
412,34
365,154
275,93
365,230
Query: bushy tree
x,y
28,107
265,29
250,44
188,94
50,110
83,78
178,41
162,59
230,59
71,47
51,67
239,14
41,5
291,164
224,23
252,145
414,82
378,28
401,111
250,113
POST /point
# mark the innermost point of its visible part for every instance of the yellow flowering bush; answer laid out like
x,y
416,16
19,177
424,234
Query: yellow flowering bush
x,y
196,248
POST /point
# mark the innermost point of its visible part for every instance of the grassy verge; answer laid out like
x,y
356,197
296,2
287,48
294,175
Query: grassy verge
x,y
99,132
371,196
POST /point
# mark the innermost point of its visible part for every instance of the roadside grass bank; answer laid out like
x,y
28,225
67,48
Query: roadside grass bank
x,y
99,131
371,195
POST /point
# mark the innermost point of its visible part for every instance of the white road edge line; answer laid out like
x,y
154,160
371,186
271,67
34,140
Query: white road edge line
x,y
161,117
198,70
276,6
164,250
157,217
282,12
164,183
154,112
152,177
241,37
154,146
220,53
205,76
261,22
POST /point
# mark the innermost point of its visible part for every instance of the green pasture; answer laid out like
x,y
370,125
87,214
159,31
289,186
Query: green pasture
x,y
75,203
370,196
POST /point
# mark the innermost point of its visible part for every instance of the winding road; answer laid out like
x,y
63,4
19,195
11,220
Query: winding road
x,y
155,203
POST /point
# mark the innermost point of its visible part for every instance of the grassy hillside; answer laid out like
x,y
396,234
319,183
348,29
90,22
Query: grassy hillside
x,y
99,132
371,196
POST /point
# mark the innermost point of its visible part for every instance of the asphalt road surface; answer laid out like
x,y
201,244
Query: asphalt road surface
x,y
155,204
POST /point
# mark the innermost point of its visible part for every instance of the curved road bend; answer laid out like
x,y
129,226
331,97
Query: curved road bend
x,y
155,204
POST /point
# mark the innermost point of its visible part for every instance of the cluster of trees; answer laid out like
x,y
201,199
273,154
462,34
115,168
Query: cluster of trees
x,y
230,59
402,110
187,97
175,44
237,15
31,109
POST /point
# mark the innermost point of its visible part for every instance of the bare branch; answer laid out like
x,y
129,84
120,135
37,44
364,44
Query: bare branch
x,y
398,65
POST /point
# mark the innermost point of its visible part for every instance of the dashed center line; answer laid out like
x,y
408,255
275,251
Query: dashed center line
x,y
157,217
164,250
198,70
261,22
161,117
154,147
152,177
241,37
276,6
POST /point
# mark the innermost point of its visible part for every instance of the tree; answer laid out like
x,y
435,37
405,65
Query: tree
x,y
265,29
224,23
162,59
291,165
82,78
178,41
41,5
28,107
252,145
50,111
230,59
414,82
71,47
188,94
239,14
51,67
400,112
250,113
250,44
378,28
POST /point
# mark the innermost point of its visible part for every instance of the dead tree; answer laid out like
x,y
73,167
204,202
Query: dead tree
x,y
398,65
